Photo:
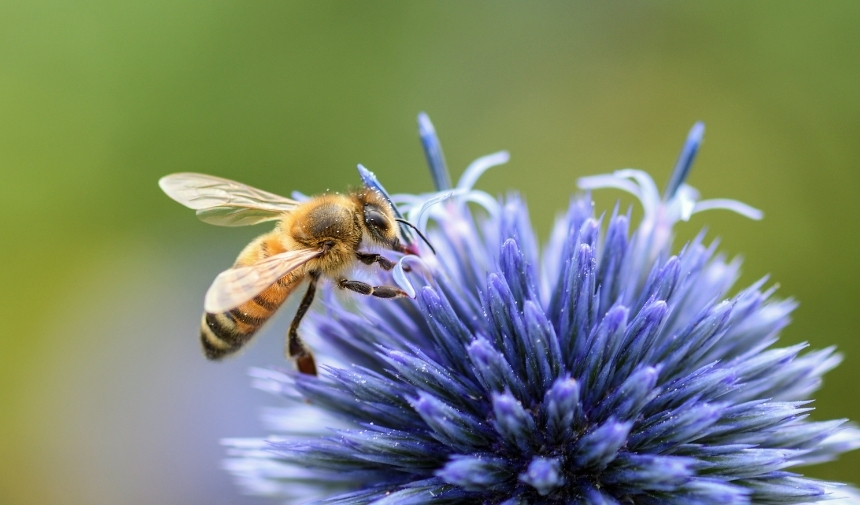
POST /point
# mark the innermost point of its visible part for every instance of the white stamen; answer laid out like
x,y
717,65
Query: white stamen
x,y
401,280
608,181
490,204
685,201
682,205
420,220
649,195
728,204
479,166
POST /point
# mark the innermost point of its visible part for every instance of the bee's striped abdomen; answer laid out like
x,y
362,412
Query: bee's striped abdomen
x,y
223,334
219,336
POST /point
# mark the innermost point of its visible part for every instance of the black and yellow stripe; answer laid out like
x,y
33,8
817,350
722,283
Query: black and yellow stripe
x,y
224,334
220,336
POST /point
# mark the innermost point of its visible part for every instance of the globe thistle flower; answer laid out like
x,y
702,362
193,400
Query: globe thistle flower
x,y
603,369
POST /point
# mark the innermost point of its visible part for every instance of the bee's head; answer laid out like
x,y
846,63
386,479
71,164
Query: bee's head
x,y
380,223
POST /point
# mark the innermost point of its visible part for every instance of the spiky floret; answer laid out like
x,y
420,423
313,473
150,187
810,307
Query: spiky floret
x,y
604,370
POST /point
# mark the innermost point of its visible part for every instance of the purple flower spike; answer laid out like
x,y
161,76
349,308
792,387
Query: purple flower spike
x,y
607,368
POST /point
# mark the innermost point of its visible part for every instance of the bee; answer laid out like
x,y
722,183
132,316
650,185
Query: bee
x,y
321,238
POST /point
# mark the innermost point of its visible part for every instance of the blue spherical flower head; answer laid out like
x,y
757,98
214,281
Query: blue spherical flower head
x,y
600,370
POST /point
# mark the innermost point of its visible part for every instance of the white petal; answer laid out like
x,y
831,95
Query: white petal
x,y
479,166
401,280
728,204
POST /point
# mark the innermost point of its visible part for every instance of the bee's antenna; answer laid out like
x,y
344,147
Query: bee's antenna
x,y
407,223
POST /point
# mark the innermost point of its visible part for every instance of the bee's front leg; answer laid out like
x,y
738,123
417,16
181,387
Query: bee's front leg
x,y
366,289
370,258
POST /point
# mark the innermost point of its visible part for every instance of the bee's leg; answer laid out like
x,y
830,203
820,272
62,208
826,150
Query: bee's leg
x,y
295,347
366,289
370,258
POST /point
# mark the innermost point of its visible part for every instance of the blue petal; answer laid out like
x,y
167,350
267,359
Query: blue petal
x,y
707,383
482,473
682,352
423,492
685,160
627,401
594,496
543,474
513,423
750,463
450,426
702,491
519,275
786,489
675,427
493,370
514,223
424,373
447,330
595,370
597,449
634,473
573,306
433,153
640,339
611,261
562,412
544,360
506,323
750,422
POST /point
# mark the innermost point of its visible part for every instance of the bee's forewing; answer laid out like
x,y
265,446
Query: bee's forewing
x,y
236,286
224,202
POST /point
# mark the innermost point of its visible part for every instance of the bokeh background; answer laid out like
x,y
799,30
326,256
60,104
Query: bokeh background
x,y
104,396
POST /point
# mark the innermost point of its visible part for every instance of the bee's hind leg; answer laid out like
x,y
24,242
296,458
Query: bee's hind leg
x,y
366,289
296,348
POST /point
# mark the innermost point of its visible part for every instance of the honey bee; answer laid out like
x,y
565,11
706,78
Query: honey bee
x,y
321,238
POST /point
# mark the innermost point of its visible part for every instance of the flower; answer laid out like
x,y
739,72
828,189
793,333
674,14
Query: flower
x,y
601,370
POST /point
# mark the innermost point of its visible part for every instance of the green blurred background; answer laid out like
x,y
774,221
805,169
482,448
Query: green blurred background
x,y
104,396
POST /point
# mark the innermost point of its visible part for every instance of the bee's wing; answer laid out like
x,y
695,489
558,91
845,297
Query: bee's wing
x,y
224,202
236,286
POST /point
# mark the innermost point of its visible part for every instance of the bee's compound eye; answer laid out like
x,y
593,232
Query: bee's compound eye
x,y
375,218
